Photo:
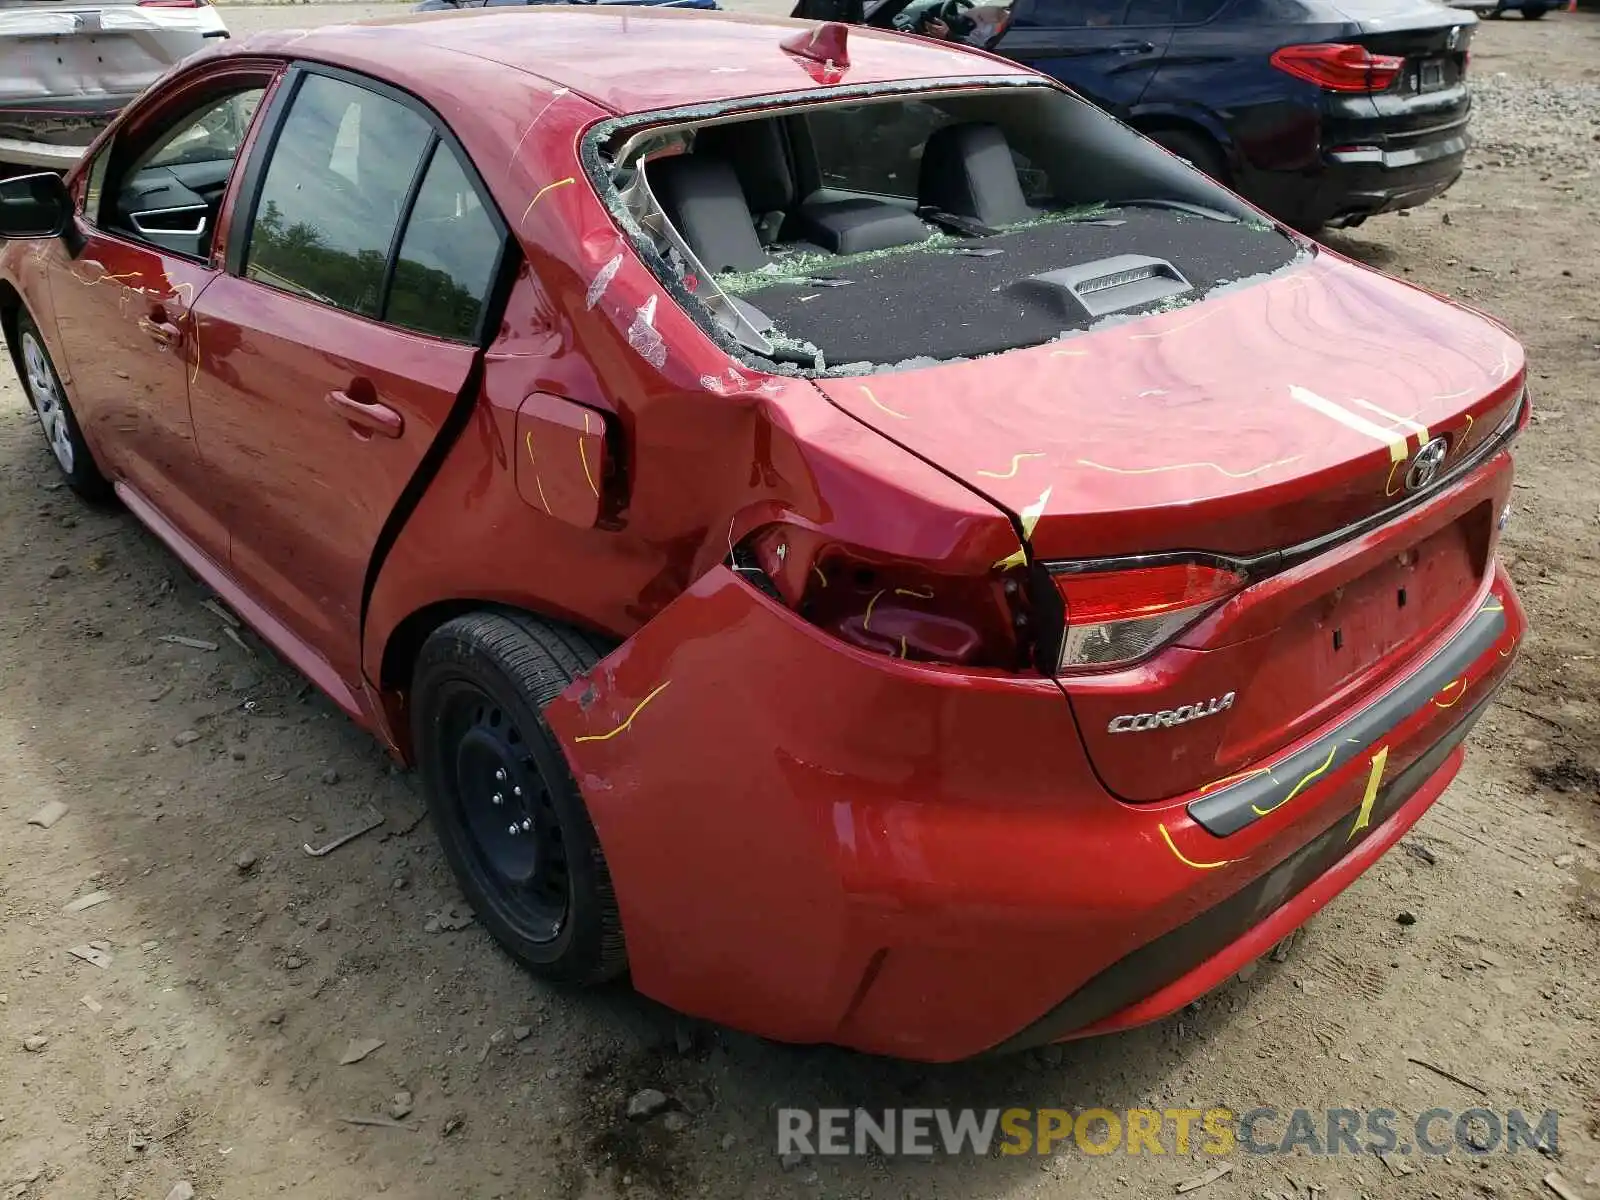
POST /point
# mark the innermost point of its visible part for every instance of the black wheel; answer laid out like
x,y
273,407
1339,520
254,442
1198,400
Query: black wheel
x,y
503,799
1494,14
49,401
1532,12
1203,153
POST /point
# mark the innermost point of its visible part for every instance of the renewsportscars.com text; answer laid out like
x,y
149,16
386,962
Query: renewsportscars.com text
x,y
1181,1131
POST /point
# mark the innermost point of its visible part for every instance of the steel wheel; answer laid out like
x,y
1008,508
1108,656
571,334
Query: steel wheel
x,y
47,399
514,835
509,815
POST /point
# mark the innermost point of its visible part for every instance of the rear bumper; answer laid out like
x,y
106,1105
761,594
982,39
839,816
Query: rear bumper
x,y
52,133
818,845
1352,183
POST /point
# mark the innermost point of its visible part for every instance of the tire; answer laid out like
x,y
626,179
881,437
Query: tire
x,y
1532,12
1202,153
504,804
49,401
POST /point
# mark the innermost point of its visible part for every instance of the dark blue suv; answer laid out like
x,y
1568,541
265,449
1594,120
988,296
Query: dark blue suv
x,y
1323,112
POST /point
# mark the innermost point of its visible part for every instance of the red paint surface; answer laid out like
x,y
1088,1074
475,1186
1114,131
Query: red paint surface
x,y
808,839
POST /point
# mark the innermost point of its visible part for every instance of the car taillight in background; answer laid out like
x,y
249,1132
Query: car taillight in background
x,y
1338,67
1113,617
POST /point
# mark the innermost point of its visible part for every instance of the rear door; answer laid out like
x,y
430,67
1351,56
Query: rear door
x,y
68,66
1106,50
338,343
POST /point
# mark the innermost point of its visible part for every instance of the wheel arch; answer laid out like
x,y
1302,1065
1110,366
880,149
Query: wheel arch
x,y
405,641
1203,124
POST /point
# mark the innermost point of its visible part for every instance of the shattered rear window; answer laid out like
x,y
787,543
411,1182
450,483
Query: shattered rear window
x,y
881,231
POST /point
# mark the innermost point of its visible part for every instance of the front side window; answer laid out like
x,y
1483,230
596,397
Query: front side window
x,y
214,134
334,193
1073,14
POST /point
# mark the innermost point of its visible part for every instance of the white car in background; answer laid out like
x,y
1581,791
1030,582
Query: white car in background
x,y
68,66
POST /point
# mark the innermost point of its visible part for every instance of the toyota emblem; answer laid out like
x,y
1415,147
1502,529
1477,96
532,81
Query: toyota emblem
x,y
1425,467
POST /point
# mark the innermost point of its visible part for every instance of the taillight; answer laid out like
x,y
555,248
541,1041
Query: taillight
x,y
1338,67
1116,617
887,606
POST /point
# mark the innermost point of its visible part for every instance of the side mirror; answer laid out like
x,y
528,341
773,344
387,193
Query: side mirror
x,y
34,206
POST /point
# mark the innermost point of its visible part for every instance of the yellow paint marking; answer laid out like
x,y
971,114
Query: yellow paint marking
x,y
1017,558
1239,778
1389,488
1350,420
1185,860
583,457
1454,683
606,737
1509,650
1161,333
866,621
927,595
902,646
1069,354
1016,461
1419,429
1364,816
876,403
820,575
1493,605
549,187
527,440
1299,787
1468,429
1031,514
1193,466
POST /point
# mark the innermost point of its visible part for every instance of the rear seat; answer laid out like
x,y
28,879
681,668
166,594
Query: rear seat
x,y
968,171
735,194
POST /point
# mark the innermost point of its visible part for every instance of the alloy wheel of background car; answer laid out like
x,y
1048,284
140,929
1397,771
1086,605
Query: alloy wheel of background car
x,y
507,811
49,400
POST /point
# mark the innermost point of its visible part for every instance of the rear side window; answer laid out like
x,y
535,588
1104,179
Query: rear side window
x,y
447,257
333,194
1198,12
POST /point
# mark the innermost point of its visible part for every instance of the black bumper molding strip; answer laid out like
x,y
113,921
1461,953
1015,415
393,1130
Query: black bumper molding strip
x,y
1234,807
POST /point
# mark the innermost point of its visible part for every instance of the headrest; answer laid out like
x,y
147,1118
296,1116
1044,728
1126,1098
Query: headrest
x,y
760,160
702,198
968,170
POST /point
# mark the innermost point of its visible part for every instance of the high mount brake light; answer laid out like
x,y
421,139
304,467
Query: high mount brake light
x,y
1116,617
1339,67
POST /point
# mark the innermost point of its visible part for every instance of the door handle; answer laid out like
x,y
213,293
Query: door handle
x,y
368,416
161,331
1134,47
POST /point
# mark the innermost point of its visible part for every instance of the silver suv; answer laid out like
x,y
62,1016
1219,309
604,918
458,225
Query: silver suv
x,y
68,66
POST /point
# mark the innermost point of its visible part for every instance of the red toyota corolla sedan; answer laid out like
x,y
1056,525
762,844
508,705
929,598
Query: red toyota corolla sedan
x,y
848,533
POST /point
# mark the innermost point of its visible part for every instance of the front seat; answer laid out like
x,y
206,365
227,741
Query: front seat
x,y
968,171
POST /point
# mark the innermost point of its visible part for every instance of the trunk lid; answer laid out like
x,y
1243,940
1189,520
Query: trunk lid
x,y
1429,100
1269,415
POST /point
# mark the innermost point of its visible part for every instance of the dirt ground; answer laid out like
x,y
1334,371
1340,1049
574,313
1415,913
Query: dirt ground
x,y
239,969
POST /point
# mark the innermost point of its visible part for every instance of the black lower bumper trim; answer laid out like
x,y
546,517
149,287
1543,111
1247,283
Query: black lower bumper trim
x,y
1177,952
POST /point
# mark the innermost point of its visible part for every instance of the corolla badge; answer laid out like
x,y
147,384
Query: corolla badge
x,y
1425,467
1168,717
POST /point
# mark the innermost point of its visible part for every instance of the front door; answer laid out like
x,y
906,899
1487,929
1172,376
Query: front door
x,y
337,345
1105,50
124,301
